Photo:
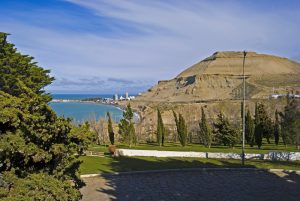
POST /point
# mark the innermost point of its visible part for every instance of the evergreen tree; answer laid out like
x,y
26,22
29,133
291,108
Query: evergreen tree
x,y
258,132
249,129
126,126
38,150
269,129
290,122
111,133
225,133
276,128
181,129
205,130
160,129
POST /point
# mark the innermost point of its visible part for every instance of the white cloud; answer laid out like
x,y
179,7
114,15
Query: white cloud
x,y
154,40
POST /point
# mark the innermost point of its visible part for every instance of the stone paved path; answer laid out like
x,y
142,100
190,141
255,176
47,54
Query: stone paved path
x,y
210,185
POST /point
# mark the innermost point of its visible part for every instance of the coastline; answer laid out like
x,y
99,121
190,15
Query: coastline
x,y
100,102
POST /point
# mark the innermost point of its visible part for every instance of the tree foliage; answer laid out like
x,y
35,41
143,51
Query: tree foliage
x,y
276,128
225,132
35,144
111,133
181,129
205,132
160,129
126,126
290,123
264,127
258,132
249,129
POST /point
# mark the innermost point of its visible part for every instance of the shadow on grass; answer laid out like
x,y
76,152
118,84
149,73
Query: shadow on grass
x,y
247,184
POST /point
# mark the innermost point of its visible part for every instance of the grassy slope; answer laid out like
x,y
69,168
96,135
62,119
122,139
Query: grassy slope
x,y
92,165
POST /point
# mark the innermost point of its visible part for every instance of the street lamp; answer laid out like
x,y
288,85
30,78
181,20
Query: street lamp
x,y
244,90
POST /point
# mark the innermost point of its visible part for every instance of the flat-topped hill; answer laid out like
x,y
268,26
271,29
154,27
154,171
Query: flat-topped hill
x,y
218,77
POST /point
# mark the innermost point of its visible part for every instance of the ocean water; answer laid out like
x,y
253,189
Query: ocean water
x,y
81,112
80,96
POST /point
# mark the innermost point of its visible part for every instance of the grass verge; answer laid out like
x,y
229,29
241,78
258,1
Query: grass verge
x,y
107,164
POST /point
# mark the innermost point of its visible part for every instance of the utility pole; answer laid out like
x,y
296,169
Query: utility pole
x,y
244,97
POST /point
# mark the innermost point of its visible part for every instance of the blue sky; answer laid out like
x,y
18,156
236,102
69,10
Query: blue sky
x,y
113,46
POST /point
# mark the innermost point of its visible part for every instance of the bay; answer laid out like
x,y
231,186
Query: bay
x,y
84,111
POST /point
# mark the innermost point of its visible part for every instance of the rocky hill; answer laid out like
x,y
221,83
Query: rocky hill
x,y
216,84
219,77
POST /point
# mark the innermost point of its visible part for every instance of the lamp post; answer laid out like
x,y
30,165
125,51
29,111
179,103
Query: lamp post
x,y
244,97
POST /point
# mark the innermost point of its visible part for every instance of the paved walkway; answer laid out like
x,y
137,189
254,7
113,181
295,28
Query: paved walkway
x,y
210,185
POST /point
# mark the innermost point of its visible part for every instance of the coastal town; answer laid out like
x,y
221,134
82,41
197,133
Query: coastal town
x,y
103,100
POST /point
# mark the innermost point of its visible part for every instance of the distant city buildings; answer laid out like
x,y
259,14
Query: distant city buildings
x,y
121,98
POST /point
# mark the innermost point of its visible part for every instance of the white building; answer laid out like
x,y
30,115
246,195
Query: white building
x,y
116,97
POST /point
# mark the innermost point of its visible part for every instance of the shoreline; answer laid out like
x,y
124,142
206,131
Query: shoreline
x,y
112,103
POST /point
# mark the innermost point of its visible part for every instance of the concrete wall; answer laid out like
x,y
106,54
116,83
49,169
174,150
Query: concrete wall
x,y
285,156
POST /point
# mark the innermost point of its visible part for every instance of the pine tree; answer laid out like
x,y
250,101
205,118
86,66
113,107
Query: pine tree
x,y
126,126
111,133
181,129
276,128
205,133
225,133
160,129
249,129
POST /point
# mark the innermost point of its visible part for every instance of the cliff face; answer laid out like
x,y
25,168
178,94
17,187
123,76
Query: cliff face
x,y
219,77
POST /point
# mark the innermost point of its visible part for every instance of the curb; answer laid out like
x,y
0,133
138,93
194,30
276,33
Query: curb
x,y
187,170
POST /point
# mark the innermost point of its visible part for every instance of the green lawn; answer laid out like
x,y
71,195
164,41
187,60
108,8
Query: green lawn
x,y
197,147
107,164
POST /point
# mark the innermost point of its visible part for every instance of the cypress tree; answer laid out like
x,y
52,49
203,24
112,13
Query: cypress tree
x,y
249,129
111,133
160,129
258,132
181,129
276,128
205,130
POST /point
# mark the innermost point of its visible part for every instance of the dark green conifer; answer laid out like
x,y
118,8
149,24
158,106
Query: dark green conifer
x,y
276,128
226,133
126,126
205,130
38,150
249,129
160,129
111,133
181,129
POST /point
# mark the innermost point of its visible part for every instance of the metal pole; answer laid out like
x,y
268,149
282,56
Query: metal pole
x,y
244,97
